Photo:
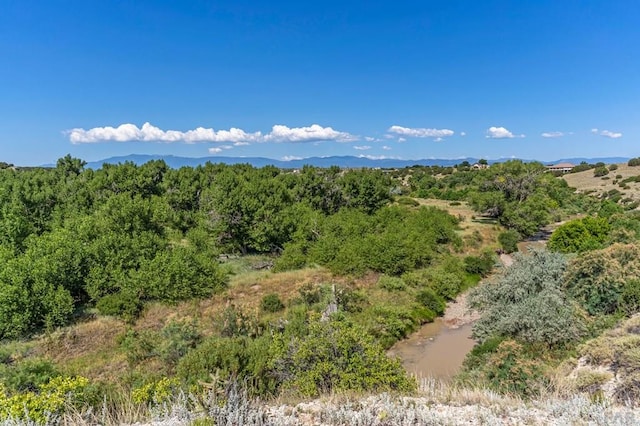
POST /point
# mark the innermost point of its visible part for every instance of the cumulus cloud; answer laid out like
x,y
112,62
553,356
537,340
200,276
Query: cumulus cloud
x,y
149,133
315,132
607,133
420,132
386,148
501,133
401,140
291,158
463,133
215,150
362,147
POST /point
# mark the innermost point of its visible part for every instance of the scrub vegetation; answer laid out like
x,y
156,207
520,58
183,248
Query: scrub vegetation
x,y
130,289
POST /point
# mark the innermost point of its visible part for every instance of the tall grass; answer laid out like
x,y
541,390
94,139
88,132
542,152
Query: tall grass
x,y
435,403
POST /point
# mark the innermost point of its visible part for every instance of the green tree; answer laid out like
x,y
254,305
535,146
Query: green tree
x,y
580,235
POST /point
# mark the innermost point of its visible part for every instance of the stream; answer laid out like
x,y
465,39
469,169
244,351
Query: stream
x,y
436,350
439,348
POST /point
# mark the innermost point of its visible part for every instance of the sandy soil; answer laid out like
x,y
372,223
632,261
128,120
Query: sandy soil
x,y
457,313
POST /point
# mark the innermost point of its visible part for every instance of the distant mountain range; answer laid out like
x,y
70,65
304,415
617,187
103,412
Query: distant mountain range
x,y
340,161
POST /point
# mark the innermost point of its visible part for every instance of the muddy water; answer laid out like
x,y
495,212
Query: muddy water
x,y
435,350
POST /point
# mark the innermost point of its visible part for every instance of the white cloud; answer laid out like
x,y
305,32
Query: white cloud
x,y
378,157
438,139
149,133
315,132
607,133
553,134
219,149
463,133
241,143
386,148
369,139
362,147
401,140
291,158
501,133
420,132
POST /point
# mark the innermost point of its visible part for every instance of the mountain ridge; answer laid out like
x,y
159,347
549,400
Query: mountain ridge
x,y
345,161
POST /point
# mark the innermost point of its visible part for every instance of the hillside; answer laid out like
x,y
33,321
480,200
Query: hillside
x,y
619,184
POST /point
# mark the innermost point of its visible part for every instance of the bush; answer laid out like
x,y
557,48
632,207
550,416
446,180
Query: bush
x,y
336,356
123,304
481,265
388,324
50,400
598,279
527,302
600,171
408,201
580,235
613,167
237,357
271,303
177,339
391,283
510,370
509,240
634,162
27,375
430,300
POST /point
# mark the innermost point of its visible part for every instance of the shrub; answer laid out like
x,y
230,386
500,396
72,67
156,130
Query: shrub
x,y
336,356
481,265
408,201
634,162
27,375
122,304
391,283
51,400
527,302
238,357
613,167
600,171
310,294
155,393
271,303
509,240
598,279
630,297
510,370
430,300
580,235
391,323
177,339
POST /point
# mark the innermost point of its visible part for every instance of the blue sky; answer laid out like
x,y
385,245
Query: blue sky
x,y
294,79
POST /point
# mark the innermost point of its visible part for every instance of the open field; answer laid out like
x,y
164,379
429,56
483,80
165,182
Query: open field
x,y
483,231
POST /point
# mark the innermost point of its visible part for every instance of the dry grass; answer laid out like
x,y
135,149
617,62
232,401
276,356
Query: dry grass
x,y
585,182
88,349
471,225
